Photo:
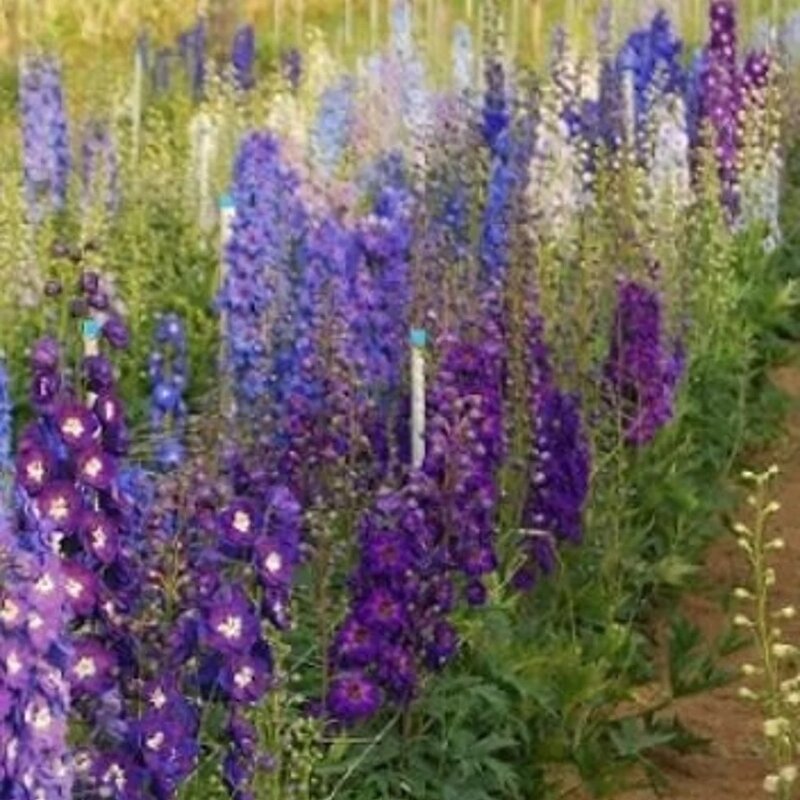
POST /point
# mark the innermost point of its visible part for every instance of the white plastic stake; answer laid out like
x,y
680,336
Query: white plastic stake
x,y
227,213
348,24
374,22
418,341
90,332
277,21
204,144
136,110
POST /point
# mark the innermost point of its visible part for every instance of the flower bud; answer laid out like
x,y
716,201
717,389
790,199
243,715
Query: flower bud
x,y
740,593
772,784
789,774
776,544
741,621
775,727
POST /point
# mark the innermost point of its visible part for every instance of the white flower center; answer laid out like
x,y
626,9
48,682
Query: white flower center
x,y
39,718
93,467
273,562
73,427
155,741
116,776
9,612
13,663
45,584
59,508
158,698
74,588
231,628
35,622
99,538
85,668
244,677
242,522
35,471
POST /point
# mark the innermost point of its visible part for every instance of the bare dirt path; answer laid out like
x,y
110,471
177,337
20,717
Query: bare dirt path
x,y
732,769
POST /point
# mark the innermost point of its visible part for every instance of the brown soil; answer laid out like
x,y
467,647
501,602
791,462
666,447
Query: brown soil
x,y
732,768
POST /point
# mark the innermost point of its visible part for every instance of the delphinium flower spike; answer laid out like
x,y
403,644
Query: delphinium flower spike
x,y
333,126
721,97
558,466
168,371
35,656
45,137
418,542
243,55
641,371
99,168
269,222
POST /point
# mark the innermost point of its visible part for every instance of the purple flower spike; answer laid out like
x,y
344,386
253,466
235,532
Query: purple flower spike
x,y
642,375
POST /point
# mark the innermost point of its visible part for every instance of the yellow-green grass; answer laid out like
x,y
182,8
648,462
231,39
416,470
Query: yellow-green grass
x,y
95,28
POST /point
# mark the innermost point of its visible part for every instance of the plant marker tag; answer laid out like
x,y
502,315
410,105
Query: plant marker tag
x,y
136,111
90,330
227,213
419,339
204,145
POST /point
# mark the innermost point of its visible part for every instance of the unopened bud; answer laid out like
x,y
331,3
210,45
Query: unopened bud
x,y
788,774
775,727
780,650
740,593
741,621
776,544
769,577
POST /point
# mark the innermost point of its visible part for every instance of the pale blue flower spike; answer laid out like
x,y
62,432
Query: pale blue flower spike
x,y
226,203
91,329
419,337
